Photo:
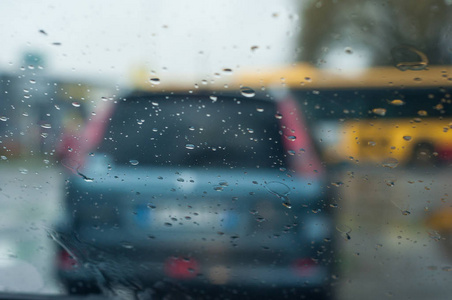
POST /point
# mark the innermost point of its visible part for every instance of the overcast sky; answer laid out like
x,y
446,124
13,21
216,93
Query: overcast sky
x,y
109,39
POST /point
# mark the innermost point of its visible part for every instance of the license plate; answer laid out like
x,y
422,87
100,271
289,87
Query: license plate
x,y
189,219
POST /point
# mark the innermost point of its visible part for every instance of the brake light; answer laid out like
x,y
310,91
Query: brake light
x,y
181,268
305,267
305,161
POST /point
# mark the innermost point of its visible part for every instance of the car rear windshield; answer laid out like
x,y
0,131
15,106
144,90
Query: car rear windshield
x,y
194,131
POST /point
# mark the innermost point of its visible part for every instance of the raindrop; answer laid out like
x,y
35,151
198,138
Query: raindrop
x,y
213,98
281,191
227,71
345,230
75,104
397,102
126,245
409,58
180,179
422,113
337,184
371,143
4,119
46,126
259,109
190,146
406,212
390,163
155,80
435,235
218,188
87,179
134,162
407,138
23,171
247,92
278,116
191,128
291,152
292,138
379,111
167,224
348,50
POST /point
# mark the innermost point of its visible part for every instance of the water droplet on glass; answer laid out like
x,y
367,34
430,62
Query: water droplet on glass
x,y
406,212
435,235
422,113
291,152
190,146
4,119
23,171
180,179
345,230
407,138
371,143
292,138
337,183
397,102
409,58
155,80
46,126
278,116
134,162
281,191
247,92
260,109
227,71
126,245
390,163
348,50
218,188
75,104
379,111
191,128
213,98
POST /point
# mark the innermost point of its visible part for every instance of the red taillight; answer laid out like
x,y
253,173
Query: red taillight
x,y
181,268
305,267
66,261
296,139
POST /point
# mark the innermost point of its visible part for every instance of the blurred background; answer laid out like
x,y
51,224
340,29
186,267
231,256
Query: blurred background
x,y
374,79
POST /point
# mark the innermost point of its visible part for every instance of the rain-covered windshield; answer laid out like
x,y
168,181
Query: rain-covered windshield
x,y
205,149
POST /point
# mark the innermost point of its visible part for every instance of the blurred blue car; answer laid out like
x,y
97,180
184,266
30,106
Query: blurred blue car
x,y
194,195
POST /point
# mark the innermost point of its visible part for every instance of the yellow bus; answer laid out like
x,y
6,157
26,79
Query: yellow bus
x,y
377,115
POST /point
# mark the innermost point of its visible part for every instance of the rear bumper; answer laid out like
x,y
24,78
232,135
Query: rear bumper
x,y
214,275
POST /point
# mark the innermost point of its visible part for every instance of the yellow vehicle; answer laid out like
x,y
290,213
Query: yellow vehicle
x,y
379,115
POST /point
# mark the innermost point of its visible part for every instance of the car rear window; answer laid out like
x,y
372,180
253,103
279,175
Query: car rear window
x,y
195,131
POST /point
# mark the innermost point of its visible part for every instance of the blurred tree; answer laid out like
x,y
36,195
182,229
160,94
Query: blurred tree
x,y
366,32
